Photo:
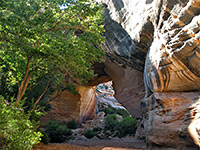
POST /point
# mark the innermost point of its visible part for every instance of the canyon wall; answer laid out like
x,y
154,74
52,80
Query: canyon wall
x,y
152,57
67,106
160,40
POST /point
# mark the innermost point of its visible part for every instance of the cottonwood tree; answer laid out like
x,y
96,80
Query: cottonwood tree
x,y
40,38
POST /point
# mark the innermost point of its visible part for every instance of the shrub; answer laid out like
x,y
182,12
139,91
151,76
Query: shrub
x,y
72,124
122,112
108,111
45,138
106,87
112,110
111,122
17,131
97,129
126,127
57,132
90,134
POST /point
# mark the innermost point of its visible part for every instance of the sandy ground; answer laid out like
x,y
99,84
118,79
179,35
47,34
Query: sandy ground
x,y
95,145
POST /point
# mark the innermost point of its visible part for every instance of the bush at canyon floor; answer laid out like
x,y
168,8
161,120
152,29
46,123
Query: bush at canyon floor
x,y
17,130
58,132
118,128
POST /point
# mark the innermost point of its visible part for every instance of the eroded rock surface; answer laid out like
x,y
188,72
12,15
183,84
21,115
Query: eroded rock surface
x,y
172,120
173,59
166,34
128,86
67,106
160,39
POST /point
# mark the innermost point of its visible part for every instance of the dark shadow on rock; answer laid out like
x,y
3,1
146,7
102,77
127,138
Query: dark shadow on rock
x,y
121,47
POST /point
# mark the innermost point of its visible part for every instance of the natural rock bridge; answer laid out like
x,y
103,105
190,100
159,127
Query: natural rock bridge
x,y
153,58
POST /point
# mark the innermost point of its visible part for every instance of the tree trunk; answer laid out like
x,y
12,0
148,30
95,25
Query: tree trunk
x,y
24,83
41,95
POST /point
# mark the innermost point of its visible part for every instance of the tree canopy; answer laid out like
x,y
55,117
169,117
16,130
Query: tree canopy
x,y
39,39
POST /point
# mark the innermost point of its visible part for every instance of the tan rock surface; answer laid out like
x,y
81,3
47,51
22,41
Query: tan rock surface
x,y
75,147
173,59
67,106
172,119
128,86
87,102
160,39
169,31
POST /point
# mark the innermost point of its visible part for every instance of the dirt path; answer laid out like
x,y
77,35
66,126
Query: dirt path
x,y
123,143
95,145
75,147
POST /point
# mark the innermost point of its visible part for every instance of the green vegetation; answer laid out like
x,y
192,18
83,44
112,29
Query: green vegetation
x,y
97,129
112,110
17,131
39,41
90,134
122,128
72,88
42,48
57,132
111,122
45,138
127,126
122,112
72,124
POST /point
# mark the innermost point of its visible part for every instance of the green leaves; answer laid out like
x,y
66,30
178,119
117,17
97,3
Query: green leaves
x,y
16,130
66,42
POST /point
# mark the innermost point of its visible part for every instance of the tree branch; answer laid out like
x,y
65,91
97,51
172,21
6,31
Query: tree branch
x,y
24,83
42,93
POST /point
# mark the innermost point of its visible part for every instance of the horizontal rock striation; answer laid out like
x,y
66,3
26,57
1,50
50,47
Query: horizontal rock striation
x,y
159,38
127,38
173,59
172,65
172,120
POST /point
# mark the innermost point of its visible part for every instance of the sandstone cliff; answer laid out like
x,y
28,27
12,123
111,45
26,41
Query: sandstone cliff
x,y
153,45
159,38
67,106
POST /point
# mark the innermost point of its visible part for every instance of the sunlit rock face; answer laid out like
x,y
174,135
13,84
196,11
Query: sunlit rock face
x,y
172,65
127,42
129,32
88,102
173,59
159,38
64,107
67,106
172,119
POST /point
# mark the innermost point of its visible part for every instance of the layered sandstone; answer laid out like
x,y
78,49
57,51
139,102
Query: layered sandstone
x,y
172,120
68,106
159,38
173,59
